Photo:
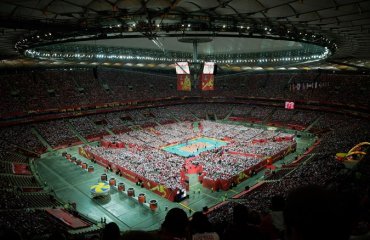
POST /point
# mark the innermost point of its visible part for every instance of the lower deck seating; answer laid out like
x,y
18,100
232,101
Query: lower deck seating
x,y
11,199
19,181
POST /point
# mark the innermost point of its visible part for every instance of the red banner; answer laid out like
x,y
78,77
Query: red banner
x,y
67,218
207,82
183,82
21,169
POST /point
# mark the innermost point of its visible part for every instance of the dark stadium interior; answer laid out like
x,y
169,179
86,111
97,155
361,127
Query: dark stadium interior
x,y
180,119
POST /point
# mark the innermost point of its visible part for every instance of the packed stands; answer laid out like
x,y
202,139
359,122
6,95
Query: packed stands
x,y
319,168
219,168
86,128
56,133
163,125
30,223
22,136
50,91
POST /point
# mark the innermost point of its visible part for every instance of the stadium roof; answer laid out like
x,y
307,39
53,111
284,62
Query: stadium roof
x,y
343,22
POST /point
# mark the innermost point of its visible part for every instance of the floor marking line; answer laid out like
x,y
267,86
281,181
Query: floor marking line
x,y
186,207
194,185
211,196
99,206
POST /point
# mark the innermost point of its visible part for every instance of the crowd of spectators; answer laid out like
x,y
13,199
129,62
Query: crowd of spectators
x,y
319,168
282,115
60,132
117,122
22,136
168,133
263,149
86,128
142,117
277,174
180,113
304,118
344,135
202,110
163,115
150,163
56,89
29,223
16,199
56,133
224,166
240,110
329,120
261,113
339,134
154,164
63,132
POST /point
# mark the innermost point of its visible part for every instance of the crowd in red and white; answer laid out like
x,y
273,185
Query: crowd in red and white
x,y
149,161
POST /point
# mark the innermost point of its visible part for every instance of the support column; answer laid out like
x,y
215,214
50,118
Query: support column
x,y
195,62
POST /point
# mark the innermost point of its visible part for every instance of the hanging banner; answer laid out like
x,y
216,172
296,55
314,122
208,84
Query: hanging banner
x,y
302,86
183,82
207,82
289,105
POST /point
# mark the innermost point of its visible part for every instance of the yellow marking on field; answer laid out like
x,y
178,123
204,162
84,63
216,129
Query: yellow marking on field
x,y
233,191
211,196
186,207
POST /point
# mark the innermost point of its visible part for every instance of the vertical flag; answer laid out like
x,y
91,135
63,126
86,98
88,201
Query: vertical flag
x,y
183,82
207,82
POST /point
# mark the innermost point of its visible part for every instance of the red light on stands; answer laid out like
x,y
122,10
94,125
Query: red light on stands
x,y
289,105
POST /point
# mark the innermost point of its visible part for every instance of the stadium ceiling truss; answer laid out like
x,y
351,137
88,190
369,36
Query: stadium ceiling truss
x,y
343,26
